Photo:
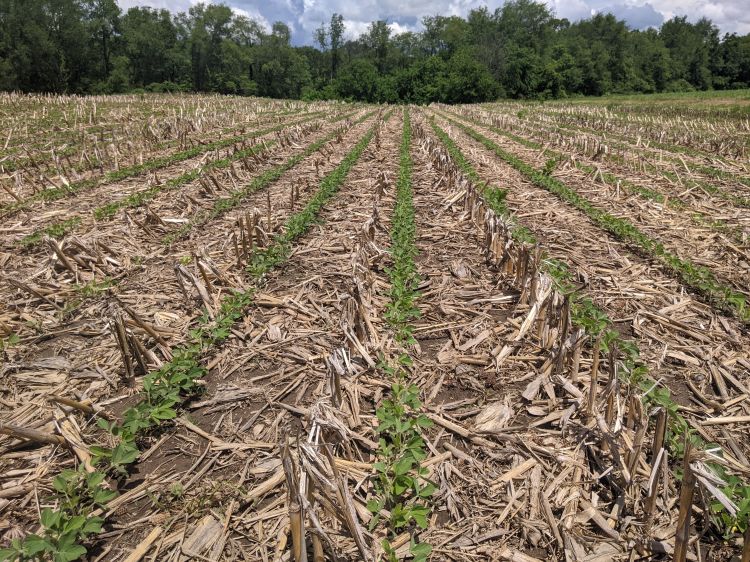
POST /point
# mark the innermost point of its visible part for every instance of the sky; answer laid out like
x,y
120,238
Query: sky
x,y
304,16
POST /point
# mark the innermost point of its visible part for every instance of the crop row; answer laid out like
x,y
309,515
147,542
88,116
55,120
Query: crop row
x,y
56,193
598,327
699,278
400,486
628,143
696,137
672,201
140,198
671,176
164,390
87,143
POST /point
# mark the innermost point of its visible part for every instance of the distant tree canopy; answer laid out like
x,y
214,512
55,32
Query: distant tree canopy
x,y
520,50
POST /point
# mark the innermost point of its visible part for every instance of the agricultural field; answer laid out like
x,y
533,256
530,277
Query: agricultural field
x,y
266,330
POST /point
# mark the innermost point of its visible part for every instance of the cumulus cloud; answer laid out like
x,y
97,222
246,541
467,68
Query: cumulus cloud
x,y
639,17
253,15
304,16
355,28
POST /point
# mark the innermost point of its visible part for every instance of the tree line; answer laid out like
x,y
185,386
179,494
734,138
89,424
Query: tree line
x,y
520,50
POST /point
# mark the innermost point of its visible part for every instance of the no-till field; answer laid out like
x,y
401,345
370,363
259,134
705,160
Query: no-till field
x,y
247,329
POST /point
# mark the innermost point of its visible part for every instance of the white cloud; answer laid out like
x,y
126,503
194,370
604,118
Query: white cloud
x,y
353,29
396,28
304,16
253,15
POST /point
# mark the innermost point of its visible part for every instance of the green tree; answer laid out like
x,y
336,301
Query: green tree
x,y
485,37
519,50
376,40
151,44
691,47
210,27
104,23
44,42
279,70
336,31
444,35
734,65
358,81
467,80
423,82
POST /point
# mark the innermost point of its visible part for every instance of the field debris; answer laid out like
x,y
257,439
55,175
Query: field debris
x,y
342,332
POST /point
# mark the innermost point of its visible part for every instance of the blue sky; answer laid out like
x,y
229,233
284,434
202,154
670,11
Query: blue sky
x,y
304,16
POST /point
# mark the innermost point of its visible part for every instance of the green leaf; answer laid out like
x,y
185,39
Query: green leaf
x,y
60,483
100,452
9,555
403,466
93,525
34,544
420,514
74,524
124,453
375,506
94,479
164,413
427,490
420,551
70,553
50,518
102,496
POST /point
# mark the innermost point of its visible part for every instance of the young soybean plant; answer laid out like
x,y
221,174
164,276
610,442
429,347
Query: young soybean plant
x,y
401,486
78,494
